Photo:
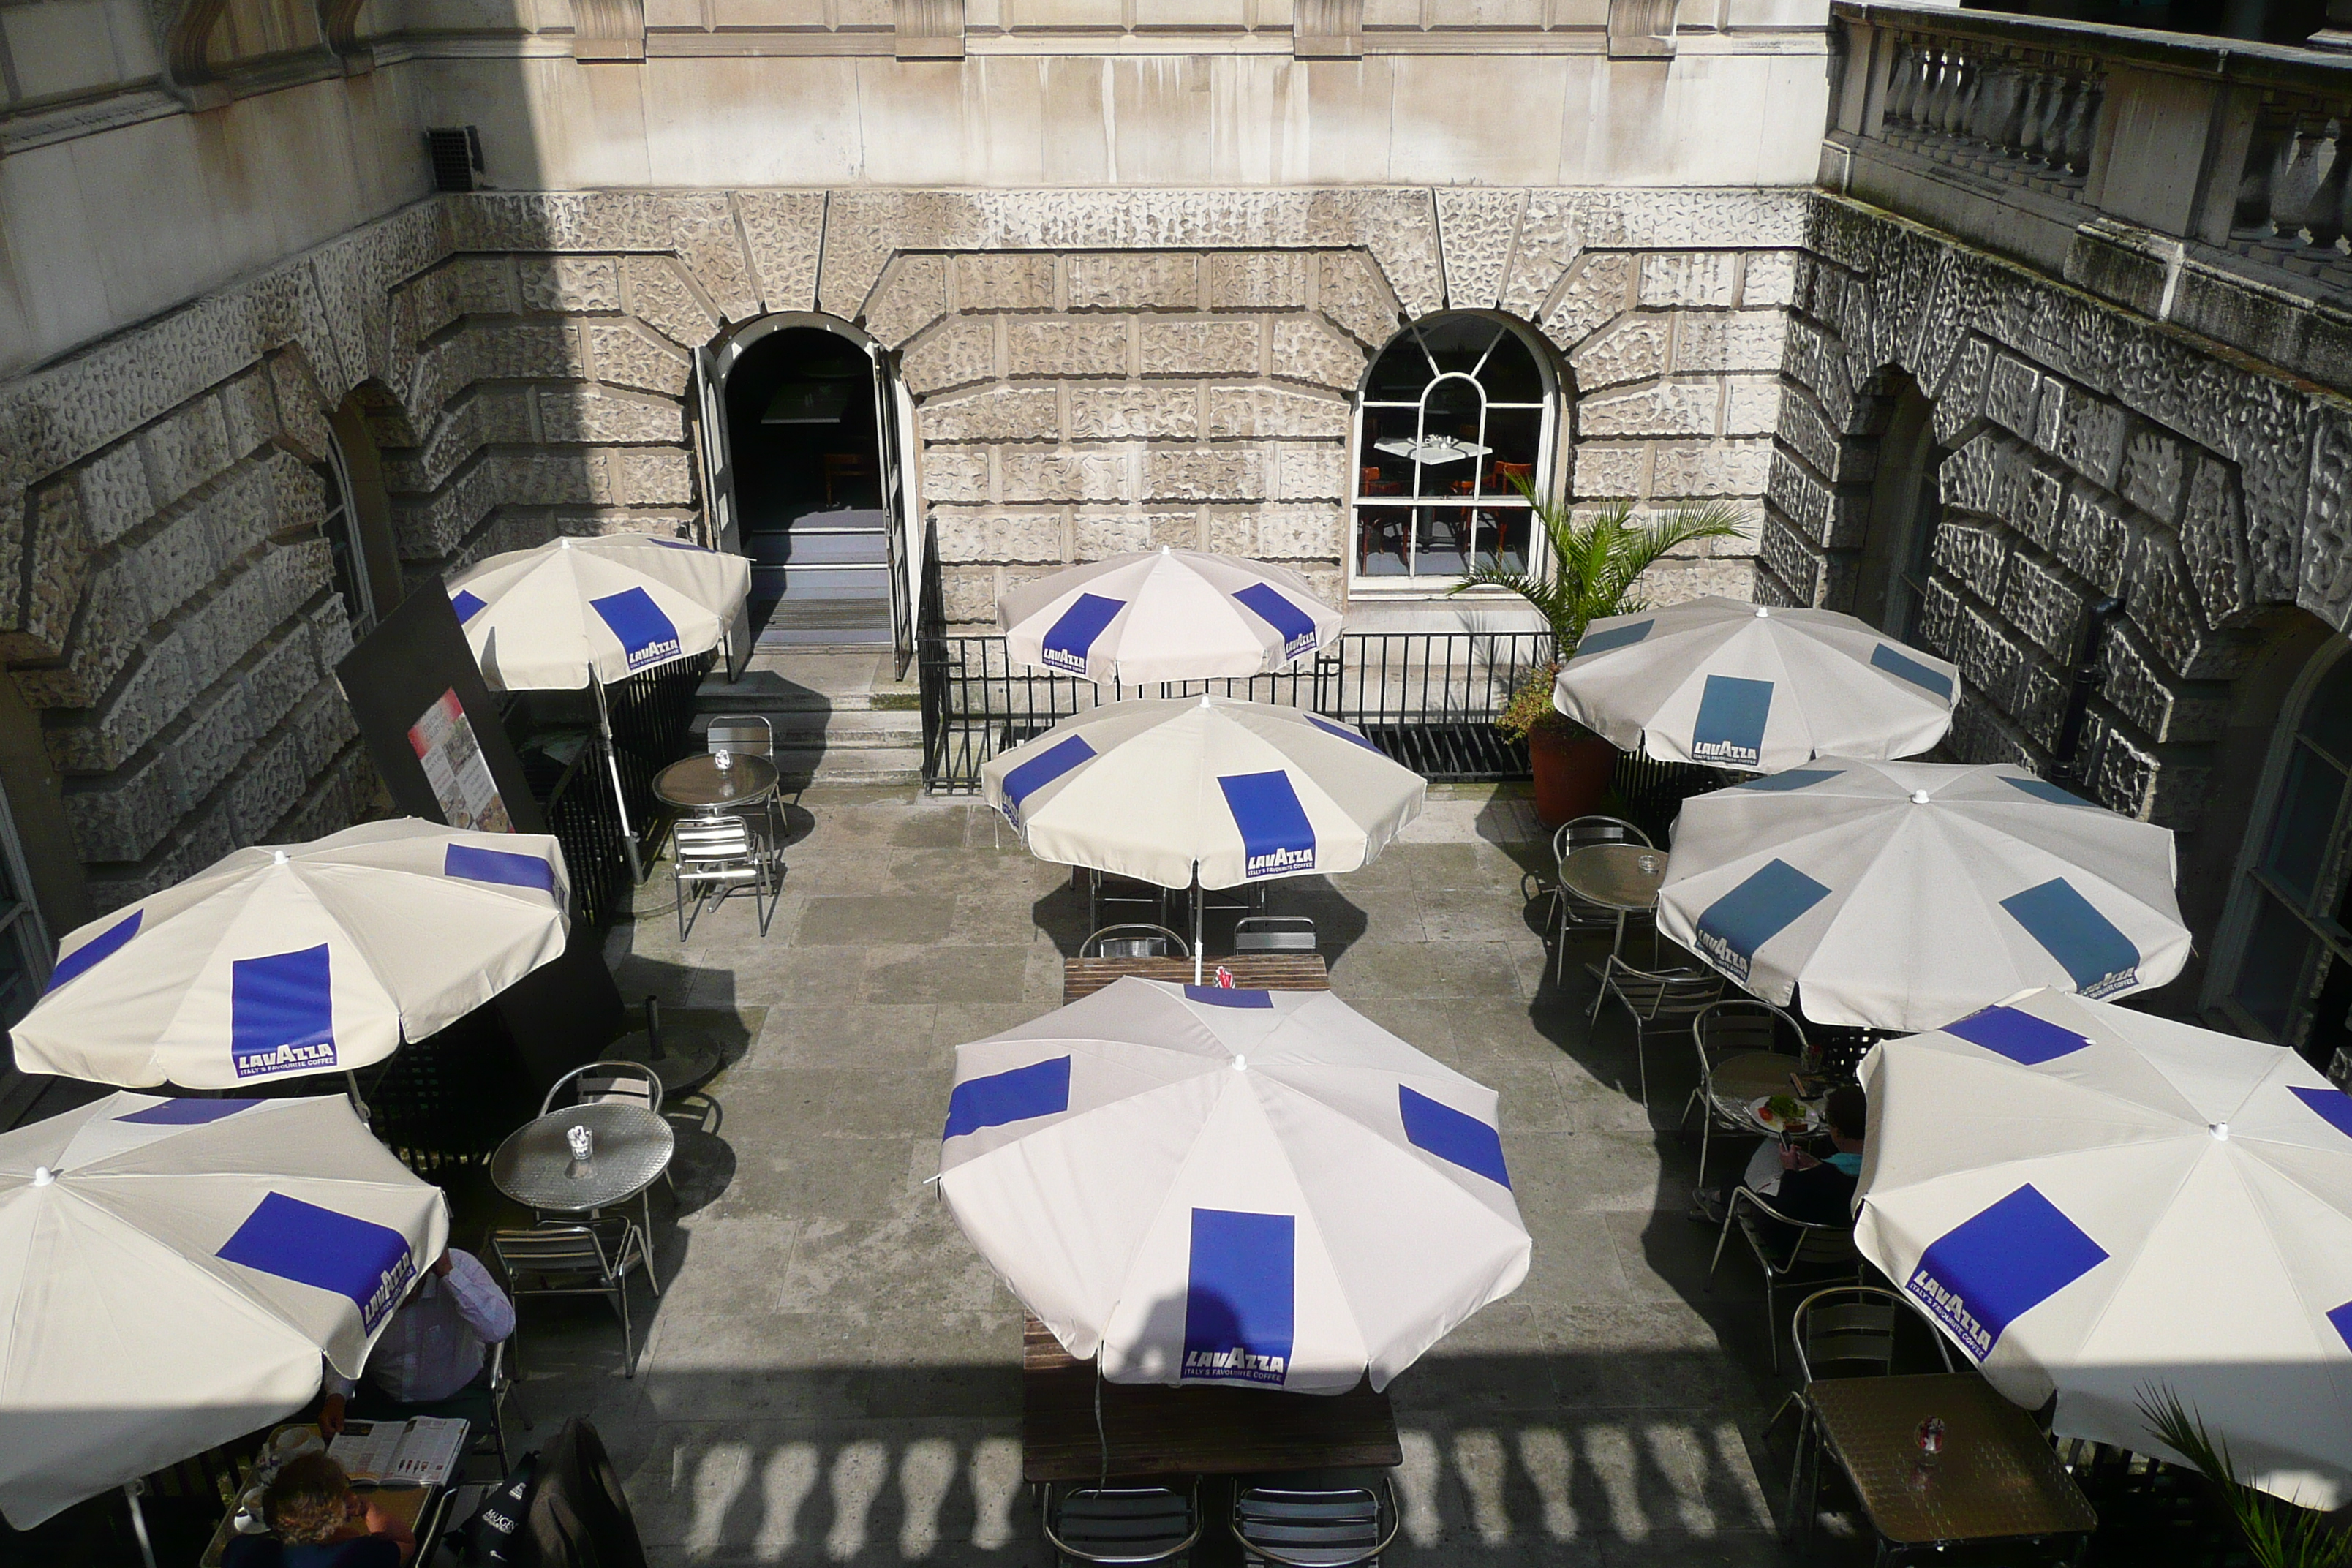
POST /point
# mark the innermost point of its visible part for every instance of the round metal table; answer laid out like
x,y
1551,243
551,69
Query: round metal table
x,y
699,783
631,1146
1620,877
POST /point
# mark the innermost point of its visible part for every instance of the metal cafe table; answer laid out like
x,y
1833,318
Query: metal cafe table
x,y
629,1147
1151,1430
1620,877
1997,1480
699,784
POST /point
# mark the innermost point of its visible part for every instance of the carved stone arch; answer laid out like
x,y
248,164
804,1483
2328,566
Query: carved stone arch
x,y
338,22
185,27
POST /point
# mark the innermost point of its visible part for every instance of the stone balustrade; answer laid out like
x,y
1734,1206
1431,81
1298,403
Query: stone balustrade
x,y
2200,181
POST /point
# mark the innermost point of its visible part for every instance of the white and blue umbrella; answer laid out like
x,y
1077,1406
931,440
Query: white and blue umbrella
x,y
294,960
1257,1189
1736,685
1166,615
171,1271
2109,1206
1903,895
573,611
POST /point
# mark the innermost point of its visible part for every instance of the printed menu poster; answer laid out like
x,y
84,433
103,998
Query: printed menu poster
x,y
444,741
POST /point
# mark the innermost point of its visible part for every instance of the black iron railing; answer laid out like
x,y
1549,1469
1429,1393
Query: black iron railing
x,y
1650,794
1427,698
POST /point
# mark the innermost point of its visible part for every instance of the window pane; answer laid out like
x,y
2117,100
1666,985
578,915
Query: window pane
x,y
2307,814
2330,1029
2270,980
1381,534
1511,375
1502,540
1445,538
1459,343
1515,434
1389,438
2329,719
1401,371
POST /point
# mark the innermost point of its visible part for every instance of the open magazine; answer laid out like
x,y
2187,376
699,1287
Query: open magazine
x,y
423,1449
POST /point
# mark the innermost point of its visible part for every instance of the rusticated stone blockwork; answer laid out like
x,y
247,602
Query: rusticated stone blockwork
x,y
2088,453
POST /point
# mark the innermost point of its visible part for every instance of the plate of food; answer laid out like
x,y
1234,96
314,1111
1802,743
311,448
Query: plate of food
x,y
1780,1113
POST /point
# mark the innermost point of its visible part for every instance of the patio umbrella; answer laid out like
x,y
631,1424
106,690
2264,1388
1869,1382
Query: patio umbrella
x,y
2106,1204
1166,615
1204,793
1902,895
1738,685
171,1271
1256,1188
292,960
583,612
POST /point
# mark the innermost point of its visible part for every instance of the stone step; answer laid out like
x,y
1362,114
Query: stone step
x,y
857,729
834,582
829,547
880,765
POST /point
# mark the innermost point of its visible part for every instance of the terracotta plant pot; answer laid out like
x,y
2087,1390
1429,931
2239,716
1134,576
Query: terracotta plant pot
x,y
1572,770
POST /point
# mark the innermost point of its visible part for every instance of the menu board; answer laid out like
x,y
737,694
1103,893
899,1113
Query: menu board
x,y
443,739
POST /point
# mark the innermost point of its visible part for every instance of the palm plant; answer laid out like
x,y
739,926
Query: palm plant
x,y
2278,1533
1593,571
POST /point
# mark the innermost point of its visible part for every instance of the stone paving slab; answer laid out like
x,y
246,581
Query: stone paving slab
x,y
832,1374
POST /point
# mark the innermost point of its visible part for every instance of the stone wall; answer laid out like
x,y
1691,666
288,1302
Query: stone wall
x,y
2093,453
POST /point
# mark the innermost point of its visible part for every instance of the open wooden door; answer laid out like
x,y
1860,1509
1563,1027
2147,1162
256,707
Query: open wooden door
x,y
894,424
722,530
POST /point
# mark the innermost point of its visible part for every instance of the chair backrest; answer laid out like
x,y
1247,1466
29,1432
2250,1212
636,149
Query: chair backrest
x,y
1584,832
1274,933
743,734
1816,1245
1668,994
549,1249
1135,940
1739,1025
1319,1527
623,1082
1848,1327
1120,1525
707,838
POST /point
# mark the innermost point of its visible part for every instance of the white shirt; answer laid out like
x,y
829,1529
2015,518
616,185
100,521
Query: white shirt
x,y
435,1343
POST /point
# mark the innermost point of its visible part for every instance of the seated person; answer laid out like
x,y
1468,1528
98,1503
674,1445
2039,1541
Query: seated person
x,y
1816,1191
317,1521
433,1357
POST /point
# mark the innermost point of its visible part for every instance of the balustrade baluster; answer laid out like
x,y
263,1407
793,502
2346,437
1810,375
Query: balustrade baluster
x,y
2081,131
1901,86
2029,117
1947,91
1965,101
2266,155
2056,104
2323,215
2298,182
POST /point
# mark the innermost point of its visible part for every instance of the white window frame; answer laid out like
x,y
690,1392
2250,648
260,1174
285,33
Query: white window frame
x,y
1366,585
342,510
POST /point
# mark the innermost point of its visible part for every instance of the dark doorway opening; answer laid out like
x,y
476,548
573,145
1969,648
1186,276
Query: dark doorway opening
x,y
804,439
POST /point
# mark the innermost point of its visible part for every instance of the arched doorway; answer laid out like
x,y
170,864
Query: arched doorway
x,y
1890,580
803,412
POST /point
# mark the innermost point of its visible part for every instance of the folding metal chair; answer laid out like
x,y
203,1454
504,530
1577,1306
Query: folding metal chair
x,y
1330,1519
614,1082
1659,1003
583,1259
1134,940
722,852
1850,1329
1802,1247
1122,1526
749,735
1274,933
1738,1061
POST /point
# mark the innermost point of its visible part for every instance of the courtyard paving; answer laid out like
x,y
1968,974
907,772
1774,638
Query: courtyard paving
x,y
832,1374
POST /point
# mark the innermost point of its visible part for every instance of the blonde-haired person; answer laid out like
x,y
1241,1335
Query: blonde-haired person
x,y
317,1521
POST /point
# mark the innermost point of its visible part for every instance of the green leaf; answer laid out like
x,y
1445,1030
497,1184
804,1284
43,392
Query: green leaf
x,y
2278,1533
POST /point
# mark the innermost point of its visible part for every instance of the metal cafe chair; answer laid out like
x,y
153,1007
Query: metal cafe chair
x,y
1660,1003
1737,1062
614,1083
1121,1526
1796,1251
1850,1329
581,1258
722,852
1105,888
1569,912
1134,940
749,735
1274,933
1315,1519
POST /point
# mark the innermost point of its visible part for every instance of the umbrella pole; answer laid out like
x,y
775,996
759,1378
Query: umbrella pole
x,y
1196,922
612,767
359,1102
131,1490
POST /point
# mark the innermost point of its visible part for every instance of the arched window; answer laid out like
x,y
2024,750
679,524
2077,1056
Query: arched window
x,y
1456,408
2293,974
357,523
1906,505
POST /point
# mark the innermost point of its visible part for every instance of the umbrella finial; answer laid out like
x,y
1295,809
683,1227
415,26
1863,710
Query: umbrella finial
x,y
43,1176
1241,1064
1763,611
278,857
1204,699
1166,550
2221,1131
1918,797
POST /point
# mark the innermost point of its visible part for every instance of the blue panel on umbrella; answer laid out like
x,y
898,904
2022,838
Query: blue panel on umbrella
x,y
186,1112
466,606
1041,770
2342,1319
1041,1088
1276,839
1795,778
1071,639
2022,1037
1228,996
478,865
1341,730
1452,1136
1731,727
1987,1272
1735,925
369,1263
2101,959
2041,790
1293,624
647,636
1894,662
2331,1105
281,1014
108,941
1240,1297
1614,638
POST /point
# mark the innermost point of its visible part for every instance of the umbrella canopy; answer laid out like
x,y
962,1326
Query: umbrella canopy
x,y
1902,895
171,1271
1256,1188
1737,685
2104,1203
549,619
287,961
1242,791
1166,615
